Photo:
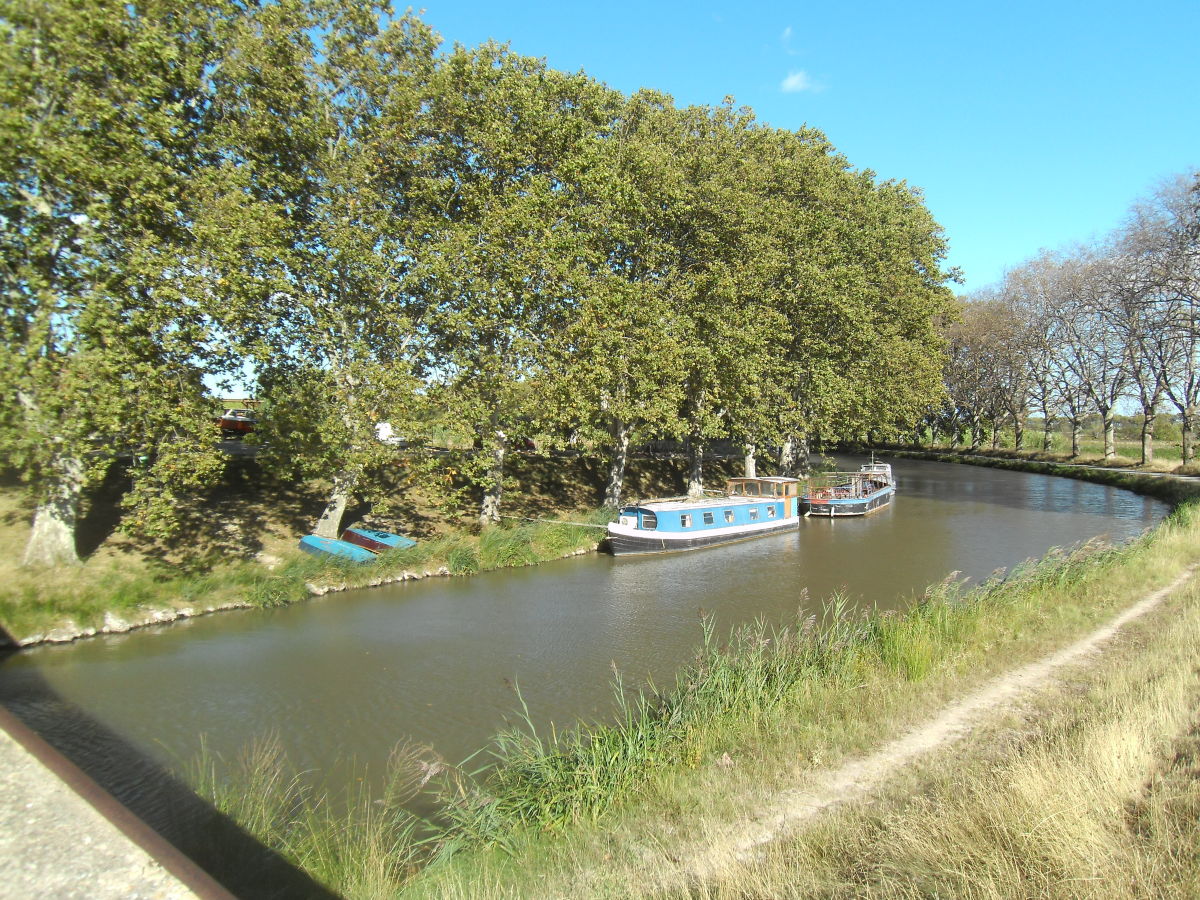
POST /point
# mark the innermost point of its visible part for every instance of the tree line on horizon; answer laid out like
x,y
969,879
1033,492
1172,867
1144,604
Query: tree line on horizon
x,y
1081,331
383,229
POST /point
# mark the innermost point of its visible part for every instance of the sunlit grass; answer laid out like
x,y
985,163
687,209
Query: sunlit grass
x,y
363,844
80,597
1092,792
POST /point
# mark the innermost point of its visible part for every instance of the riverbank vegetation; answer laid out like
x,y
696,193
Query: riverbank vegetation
x,y
627,806
247,557
1089,789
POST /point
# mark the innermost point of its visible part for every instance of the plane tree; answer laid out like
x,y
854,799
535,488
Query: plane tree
x,y
104,117
1095,356
714,280
1160,243
615,370
865,296
500,261
308,234
1030,291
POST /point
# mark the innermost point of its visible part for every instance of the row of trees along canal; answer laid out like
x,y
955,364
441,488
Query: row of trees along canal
x,y
379,228
1077,333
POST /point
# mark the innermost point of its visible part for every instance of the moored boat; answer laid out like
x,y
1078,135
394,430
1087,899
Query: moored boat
x,y
850,493
749,507
377,541
332,547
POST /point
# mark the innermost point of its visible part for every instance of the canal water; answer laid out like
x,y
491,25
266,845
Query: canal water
x,y
340,680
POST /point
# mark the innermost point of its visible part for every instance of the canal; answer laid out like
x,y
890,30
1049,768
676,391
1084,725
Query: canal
x,y
343,678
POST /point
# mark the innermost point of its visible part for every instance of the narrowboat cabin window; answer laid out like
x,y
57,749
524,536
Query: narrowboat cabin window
x,y
754,514
770,512
649,521
708,518
729,515
685,520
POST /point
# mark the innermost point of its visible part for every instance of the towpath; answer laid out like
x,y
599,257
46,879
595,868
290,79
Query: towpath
x,y
741,840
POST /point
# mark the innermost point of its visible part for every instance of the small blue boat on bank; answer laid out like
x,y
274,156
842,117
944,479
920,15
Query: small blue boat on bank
x,y
377,541
748,508
332,547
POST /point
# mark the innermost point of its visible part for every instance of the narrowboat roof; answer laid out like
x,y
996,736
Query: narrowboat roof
x,y
722,501
718,500
771,479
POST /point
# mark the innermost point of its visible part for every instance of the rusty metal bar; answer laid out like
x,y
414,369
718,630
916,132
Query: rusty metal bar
x,y
160,850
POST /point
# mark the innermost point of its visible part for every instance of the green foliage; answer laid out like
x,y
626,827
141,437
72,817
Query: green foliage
x,y
461,241
313,279
104,341
462,560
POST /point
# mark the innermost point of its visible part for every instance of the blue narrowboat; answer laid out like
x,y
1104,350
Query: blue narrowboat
x,y
749,507
850,493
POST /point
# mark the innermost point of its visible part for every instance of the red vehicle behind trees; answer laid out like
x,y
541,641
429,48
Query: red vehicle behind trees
x,y
236,423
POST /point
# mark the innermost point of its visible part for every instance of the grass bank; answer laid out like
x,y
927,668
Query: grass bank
x,y
609,809
1162,464
237,546
112,595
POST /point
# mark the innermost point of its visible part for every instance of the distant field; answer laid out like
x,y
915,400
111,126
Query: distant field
x,y
1091,448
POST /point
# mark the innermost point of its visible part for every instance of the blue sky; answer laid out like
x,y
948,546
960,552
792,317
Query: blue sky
x,y
1027,125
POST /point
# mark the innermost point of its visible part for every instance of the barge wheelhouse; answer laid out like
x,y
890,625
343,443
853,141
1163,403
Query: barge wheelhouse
x,y
749,507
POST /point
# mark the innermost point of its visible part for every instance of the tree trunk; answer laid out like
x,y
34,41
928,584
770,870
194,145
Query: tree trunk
x,y
976,434
695,486
493,490
995,435
1148,418
787,457
1110,435
330,523
802,463
1076,432
616,469
1047,436
1018,432
52,540
1185,435
750,461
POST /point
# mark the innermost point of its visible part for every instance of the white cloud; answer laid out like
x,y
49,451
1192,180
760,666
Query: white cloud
x,y
785,39
797,82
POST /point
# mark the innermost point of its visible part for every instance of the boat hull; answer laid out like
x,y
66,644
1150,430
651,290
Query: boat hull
x,y
626,541
854,506
376,541
332,548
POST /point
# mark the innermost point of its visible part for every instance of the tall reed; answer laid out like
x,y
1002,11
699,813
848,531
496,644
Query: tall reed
x,y
737,688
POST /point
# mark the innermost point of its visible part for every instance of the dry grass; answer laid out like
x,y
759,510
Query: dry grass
x,y
1089,792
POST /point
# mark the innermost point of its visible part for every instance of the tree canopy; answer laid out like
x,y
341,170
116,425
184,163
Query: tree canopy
x,y
381,229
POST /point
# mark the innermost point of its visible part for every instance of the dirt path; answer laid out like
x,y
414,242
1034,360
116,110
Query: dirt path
x,y
741,840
